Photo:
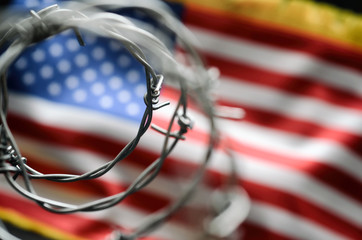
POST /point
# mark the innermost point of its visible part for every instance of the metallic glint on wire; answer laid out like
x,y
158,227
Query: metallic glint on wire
x,y
196,84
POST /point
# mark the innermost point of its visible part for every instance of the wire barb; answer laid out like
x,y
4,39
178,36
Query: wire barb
x,y
40,29
156,85
184,123
51,21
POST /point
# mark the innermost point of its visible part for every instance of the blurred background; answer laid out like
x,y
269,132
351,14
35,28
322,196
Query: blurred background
x,y
293,66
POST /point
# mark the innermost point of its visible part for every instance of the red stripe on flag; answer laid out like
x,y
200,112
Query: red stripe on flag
x,y
322,172
106,146
143,200
70,223
252,231
332,176
256,192
274,36
292,84
73,224
87,141
284,123
183,168
300,207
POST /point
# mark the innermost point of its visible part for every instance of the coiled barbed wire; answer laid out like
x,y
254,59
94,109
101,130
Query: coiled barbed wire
x,y
195,81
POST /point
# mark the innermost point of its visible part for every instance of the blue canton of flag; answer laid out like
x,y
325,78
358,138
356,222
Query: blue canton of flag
x,y
102,75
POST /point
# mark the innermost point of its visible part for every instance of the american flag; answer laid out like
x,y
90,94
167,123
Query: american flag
x,y
298,149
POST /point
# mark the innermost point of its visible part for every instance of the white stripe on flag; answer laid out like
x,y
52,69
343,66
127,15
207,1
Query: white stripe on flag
x,y
281,177
284,143
301,185
296,146
83,161
120,215
303,108
268,174
289,224
74,118
278,60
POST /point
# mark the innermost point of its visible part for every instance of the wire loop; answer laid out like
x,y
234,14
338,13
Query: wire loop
x,y
49,22
41,25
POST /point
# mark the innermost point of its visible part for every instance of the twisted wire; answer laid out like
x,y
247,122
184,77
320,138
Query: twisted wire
x,y
194,81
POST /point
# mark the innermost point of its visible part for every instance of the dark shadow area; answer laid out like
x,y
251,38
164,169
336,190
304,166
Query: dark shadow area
x,y
355,5
23,234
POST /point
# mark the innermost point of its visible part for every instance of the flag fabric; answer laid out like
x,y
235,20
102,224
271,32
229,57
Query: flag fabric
x,y
294,67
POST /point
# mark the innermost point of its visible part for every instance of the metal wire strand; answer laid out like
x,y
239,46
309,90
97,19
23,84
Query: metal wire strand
x,y
50,19
193,81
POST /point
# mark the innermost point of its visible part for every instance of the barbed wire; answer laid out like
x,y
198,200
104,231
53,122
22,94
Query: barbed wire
x,y
194,81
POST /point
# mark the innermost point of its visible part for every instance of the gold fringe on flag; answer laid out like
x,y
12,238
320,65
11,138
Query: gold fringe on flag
x,y
29,224
307,16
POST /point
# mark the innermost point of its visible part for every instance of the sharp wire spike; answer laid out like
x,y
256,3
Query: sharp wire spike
x,y
51,21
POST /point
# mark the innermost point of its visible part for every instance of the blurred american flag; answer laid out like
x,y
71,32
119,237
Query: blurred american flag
x,y
298,148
